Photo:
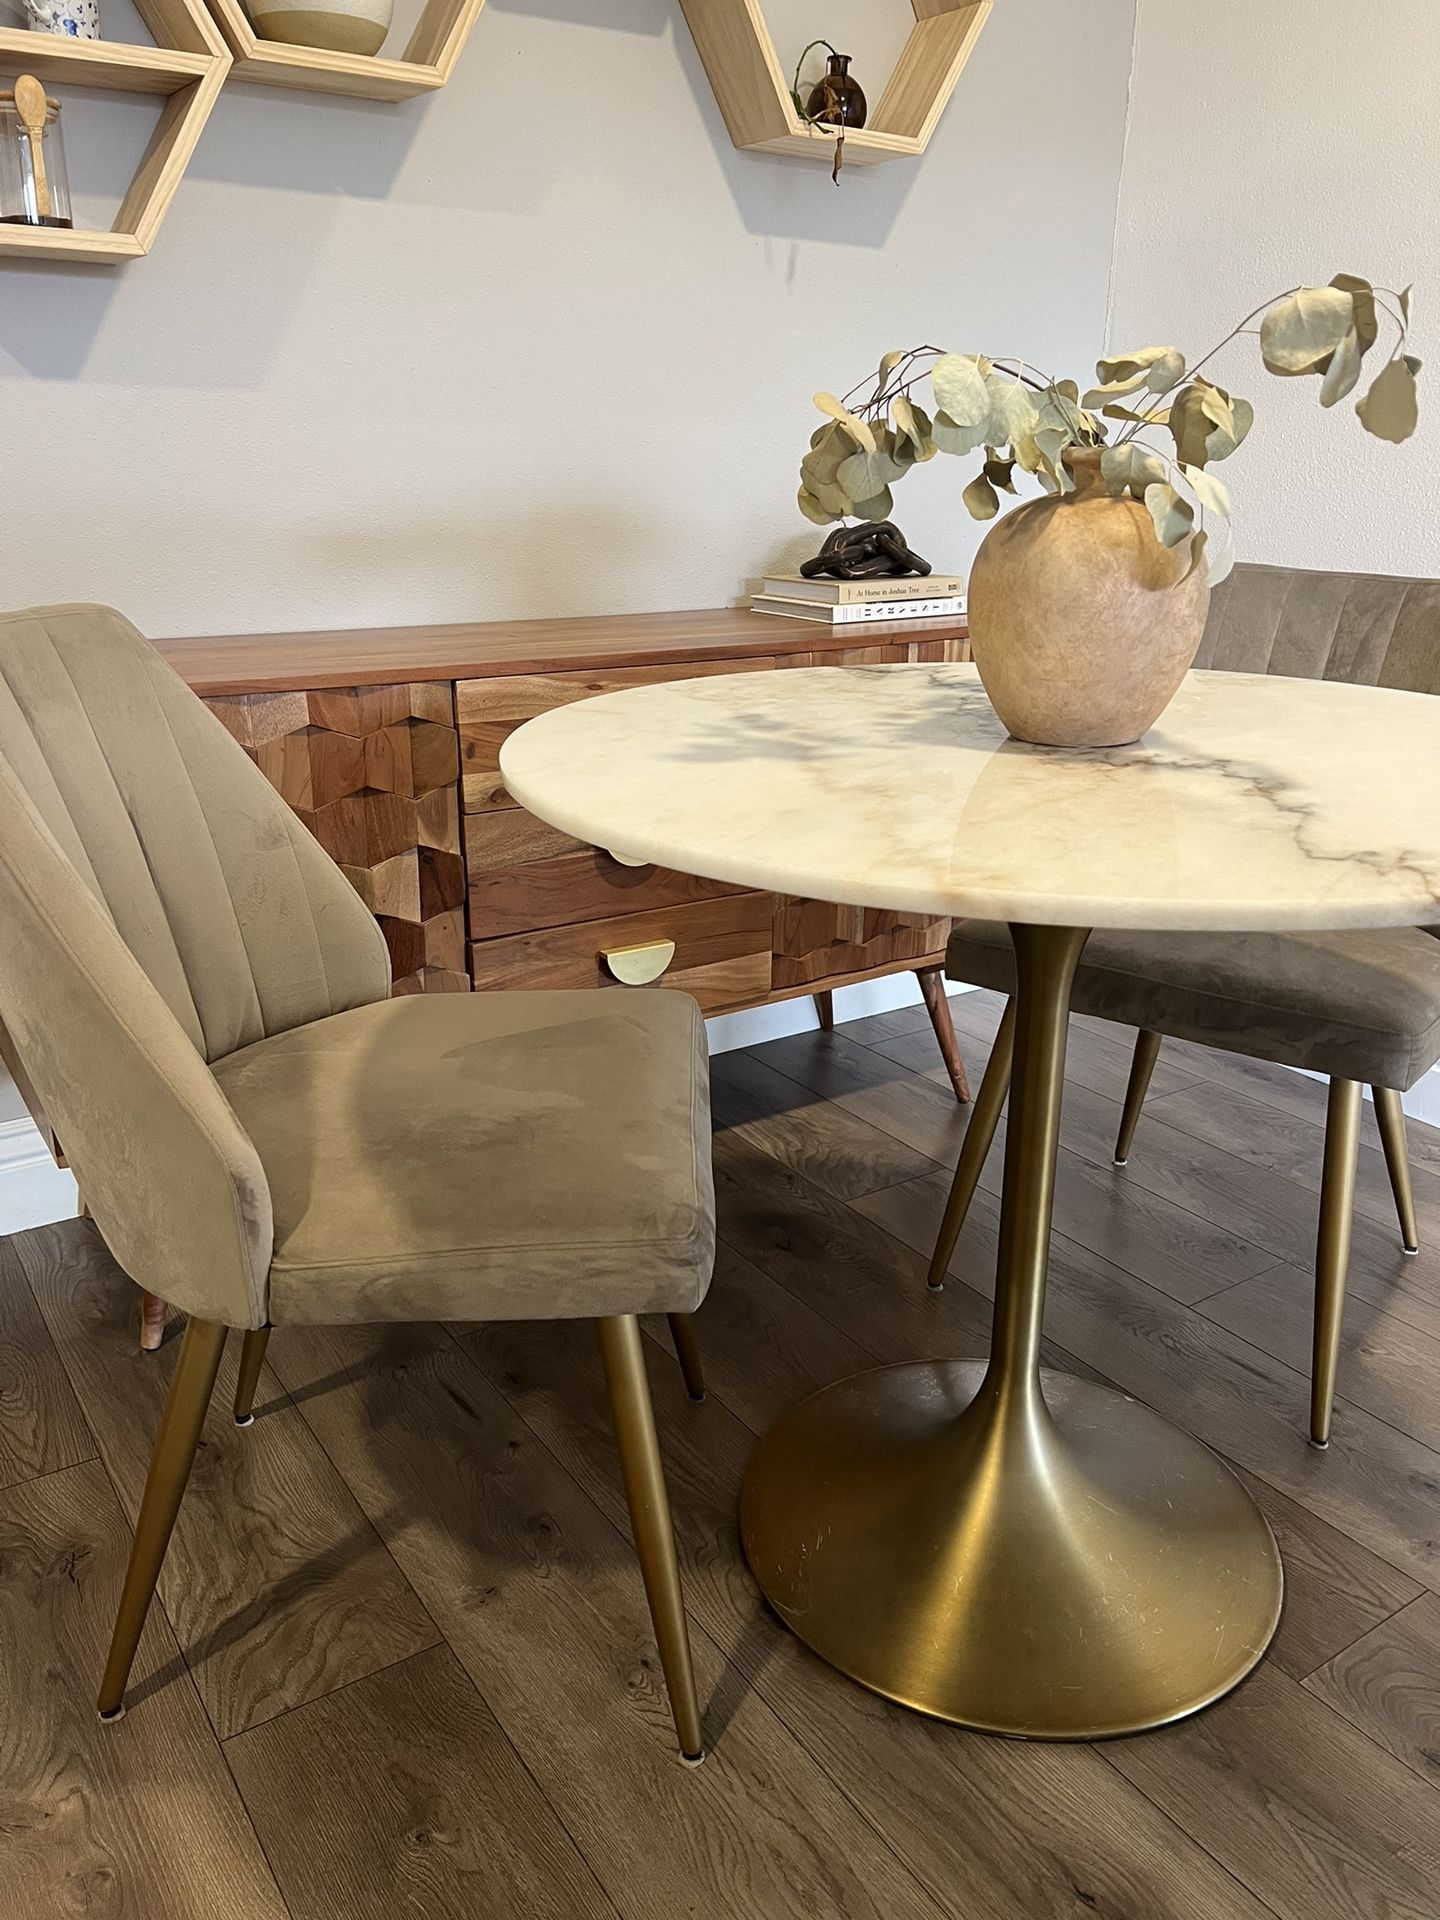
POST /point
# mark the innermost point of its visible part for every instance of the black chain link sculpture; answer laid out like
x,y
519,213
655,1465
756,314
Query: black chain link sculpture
x,y
872,551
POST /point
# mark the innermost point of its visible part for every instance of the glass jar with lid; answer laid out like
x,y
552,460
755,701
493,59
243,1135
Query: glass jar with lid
x,y
34,189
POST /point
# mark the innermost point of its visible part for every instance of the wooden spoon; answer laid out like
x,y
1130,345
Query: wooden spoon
x,y
32,107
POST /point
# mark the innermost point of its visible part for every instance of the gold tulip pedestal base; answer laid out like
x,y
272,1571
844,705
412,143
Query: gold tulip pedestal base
x,y
1060,1565
1022,1553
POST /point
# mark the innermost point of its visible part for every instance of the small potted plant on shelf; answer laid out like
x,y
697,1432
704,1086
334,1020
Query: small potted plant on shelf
x,y
1087,607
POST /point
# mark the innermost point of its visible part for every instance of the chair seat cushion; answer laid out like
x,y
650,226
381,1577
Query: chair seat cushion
x,y
505,1156
1358,1006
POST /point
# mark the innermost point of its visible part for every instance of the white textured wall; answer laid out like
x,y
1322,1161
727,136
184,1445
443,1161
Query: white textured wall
x,y
543,344
1268,146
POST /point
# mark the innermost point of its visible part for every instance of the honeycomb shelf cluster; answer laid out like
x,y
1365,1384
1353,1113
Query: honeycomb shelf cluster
x,y
199,45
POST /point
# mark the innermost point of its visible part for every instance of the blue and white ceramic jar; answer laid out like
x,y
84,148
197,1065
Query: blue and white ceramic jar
x,y
78,19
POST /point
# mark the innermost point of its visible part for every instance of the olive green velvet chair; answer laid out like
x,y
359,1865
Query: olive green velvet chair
x,y
1360,1008
262,1135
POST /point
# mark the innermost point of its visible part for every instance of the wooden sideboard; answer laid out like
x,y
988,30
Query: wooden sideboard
x,y
386,742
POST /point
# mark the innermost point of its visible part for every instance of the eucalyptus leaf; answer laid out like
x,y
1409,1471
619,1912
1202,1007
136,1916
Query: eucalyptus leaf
x,y
981,500
812,509
912,425
1367,321
959,383
1011,409
1173,515
1402,300
1391,409
831,495
1212,493
1305,328
1220,558
1207,423
1166,372
864,475
1343,371
1135,366
828,453
1156,417
1050,443
950,437
880,508
1132,466
1113,390
859,430
999,472
887,367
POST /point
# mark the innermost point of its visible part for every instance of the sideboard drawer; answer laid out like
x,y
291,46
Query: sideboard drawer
x,y
564,880
722,952
488,712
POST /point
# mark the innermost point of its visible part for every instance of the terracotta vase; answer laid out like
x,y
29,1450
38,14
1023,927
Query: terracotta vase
x,y
1081,623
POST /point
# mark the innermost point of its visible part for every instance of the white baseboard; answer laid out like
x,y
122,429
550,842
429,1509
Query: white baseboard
x,y
33,1190
730,1031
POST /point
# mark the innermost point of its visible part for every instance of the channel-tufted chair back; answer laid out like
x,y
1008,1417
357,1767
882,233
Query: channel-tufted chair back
x,y
245,926
160,907
1370,629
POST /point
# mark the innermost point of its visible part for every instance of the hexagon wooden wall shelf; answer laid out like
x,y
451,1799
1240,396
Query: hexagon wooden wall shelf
x,y
740,58
435,46
187,64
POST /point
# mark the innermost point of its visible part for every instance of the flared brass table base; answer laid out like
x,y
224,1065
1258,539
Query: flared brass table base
x,y
1039,1557
1085,1570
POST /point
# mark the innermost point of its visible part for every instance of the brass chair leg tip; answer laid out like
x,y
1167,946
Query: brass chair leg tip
x,y
1320,1446
1410,1253
244,1419
1121,1163
936,1286
113,1714
692,1759
700,1398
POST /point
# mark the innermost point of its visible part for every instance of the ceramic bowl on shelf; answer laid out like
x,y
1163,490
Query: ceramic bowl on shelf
x,y
337,26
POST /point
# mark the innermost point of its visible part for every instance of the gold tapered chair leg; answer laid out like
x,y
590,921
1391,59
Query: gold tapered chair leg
x,y
252,1359
1391,1115
979,1138
1332,1248
170,1464
1147,1052
687,1352
644,1476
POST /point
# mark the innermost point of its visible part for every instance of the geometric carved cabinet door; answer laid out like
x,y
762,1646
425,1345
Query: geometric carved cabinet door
x,y
373,772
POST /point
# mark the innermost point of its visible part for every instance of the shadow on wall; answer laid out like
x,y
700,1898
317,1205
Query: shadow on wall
x,y
776,198
568,559
341,150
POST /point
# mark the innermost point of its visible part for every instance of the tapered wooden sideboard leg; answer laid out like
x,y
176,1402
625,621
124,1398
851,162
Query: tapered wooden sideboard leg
x,y
932,985
153,1315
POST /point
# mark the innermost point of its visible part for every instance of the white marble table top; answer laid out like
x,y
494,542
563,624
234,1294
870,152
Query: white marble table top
x,y
1256,802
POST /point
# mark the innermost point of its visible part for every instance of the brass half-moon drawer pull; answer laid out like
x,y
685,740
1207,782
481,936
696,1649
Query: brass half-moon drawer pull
x,y
639,966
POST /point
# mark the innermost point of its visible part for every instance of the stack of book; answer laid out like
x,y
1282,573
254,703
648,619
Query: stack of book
x,y
938,596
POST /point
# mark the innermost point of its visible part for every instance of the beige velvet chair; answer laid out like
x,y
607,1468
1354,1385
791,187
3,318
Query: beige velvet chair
x,y
262,1135
1361,1008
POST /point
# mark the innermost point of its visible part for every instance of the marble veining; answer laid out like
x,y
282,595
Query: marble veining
x,y
1256,802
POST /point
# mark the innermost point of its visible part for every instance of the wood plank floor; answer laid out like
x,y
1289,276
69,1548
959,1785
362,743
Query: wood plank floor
x,y
402,1664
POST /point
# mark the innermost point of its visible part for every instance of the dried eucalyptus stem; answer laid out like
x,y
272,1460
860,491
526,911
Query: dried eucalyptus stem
x,y
1023,417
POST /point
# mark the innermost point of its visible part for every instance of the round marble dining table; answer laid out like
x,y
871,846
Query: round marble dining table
x,y
1018,1550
